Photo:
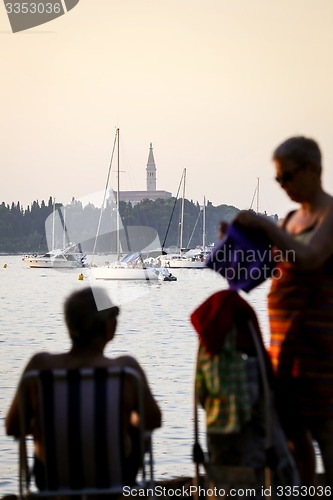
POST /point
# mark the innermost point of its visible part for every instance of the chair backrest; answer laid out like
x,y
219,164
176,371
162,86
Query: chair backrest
x,y
82,435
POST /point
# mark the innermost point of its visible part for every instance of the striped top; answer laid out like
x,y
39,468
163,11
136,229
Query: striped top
x,y
300,305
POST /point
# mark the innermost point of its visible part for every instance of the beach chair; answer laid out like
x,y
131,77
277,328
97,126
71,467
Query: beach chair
x,y
266,462
80,413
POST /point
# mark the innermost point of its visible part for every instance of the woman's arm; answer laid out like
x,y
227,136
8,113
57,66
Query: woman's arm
x,y
307,256
12,423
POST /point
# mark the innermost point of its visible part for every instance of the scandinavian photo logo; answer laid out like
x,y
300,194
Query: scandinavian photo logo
x,y
26,14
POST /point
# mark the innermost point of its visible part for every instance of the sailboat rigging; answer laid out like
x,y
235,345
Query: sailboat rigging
x,y
181,223
256,195
203,212
132,266
184,259
173,209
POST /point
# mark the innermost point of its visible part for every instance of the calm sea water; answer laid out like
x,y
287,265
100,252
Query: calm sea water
x,y
153,326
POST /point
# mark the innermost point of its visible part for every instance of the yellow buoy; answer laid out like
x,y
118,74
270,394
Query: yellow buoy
x,y
80,277
4,266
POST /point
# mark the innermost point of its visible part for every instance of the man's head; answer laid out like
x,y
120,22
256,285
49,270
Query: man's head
x,y
86,322
298,166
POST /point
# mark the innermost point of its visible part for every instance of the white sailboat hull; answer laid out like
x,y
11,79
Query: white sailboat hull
x,y
177,261
123,273
183,264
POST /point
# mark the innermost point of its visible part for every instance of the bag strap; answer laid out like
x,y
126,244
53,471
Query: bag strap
x,y
197,453
267,405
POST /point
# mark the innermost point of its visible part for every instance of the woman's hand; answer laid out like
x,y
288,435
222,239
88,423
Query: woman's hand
x,y
223,228
134,419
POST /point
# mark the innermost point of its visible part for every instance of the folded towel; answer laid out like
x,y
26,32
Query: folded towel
x,y
244,257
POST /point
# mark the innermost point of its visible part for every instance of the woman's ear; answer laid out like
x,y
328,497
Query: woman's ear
x,y
314,167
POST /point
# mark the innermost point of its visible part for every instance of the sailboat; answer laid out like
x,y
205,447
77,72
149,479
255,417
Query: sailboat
x,y
132,266
191,259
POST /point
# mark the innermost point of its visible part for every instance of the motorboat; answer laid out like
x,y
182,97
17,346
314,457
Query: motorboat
x,y
67,258
165,275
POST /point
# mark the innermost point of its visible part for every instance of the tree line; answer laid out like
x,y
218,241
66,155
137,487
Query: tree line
x,y
30,230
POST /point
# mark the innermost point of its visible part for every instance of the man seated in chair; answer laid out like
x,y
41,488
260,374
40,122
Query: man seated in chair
x,y
90,330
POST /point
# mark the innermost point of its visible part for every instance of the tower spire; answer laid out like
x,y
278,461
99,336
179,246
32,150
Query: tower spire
x,y
151,170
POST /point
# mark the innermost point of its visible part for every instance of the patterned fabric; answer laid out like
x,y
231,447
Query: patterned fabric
x,y
216,317
222,387
301,321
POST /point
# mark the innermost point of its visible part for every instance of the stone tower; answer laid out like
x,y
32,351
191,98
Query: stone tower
x,y
151,171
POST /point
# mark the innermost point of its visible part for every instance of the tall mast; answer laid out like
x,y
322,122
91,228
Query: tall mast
x,y
118,190
204,225
53,225
257,195
64,230
182,214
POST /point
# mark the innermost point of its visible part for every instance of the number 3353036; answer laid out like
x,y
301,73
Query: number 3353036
x,y
33,8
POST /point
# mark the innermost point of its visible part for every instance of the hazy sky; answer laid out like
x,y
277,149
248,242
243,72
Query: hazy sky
x,y
215,85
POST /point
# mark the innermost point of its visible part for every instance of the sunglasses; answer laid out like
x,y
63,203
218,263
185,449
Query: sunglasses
x,y
289,176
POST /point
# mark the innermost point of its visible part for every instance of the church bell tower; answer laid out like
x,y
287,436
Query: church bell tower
x,y
151,171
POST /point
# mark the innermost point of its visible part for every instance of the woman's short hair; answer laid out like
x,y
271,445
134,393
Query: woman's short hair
x,y
301,150
87,312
